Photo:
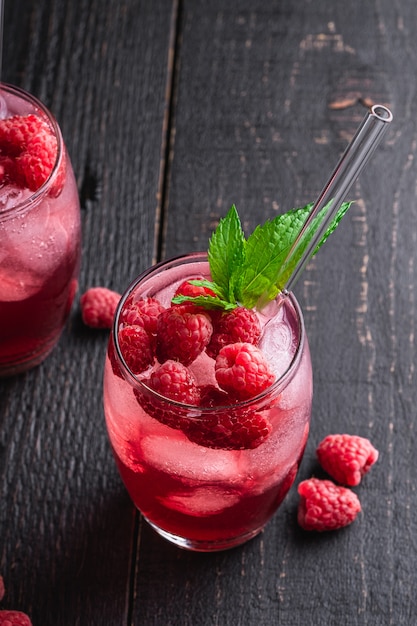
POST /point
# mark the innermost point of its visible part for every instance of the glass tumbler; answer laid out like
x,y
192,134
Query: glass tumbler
x,y
39,244
198,492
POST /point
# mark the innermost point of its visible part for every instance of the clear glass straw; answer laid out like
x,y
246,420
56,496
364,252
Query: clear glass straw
x,y
354,159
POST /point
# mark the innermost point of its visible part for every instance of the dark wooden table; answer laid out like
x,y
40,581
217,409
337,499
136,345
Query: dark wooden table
x,y
172,110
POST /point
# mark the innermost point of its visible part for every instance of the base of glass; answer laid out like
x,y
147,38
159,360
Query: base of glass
x,y
196,545
28,362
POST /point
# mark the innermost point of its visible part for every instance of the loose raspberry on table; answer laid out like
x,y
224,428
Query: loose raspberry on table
x,y
28,151
236,326
229,430
98,306
346,458
143,312
14,618
242,370
182,335
326,506
136,347
173,381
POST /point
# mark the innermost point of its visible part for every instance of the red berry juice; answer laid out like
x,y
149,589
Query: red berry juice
x,y
39,251
199,497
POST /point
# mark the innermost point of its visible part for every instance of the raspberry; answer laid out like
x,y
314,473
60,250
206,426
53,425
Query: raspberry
x,y
237,326
192,291
98,306
242,370
14,618
174,381
136,348
181,334
17,132
326,506
28,150
346,458
229,430
144,312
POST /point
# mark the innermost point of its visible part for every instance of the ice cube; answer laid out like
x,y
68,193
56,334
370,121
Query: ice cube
x,y
189,461
11,196
203,370
16,286
3,108
278,345
208,500
39,244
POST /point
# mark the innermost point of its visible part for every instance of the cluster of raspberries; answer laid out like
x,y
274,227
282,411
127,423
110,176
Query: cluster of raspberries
x,y
28,151
169,340
325,505
12,618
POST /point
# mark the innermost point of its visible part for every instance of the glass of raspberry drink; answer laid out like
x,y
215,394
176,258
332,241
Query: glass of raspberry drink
x,y
207,410
208,379
39,231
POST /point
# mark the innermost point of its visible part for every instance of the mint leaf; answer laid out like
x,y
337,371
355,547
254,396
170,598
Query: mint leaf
x,y
226,253
208,302
252,272
265,252
262,273
334,224
286,270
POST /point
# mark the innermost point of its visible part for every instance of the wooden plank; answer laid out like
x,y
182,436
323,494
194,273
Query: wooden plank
x,y
67,527
267,97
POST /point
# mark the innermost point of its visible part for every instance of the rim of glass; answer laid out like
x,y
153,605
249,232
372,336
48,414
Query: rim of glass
x,y
276,387
43,189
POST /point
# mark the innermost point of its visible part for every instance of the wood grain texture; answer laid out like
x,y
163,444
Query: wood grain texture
x,y
262,101
67,527
267,98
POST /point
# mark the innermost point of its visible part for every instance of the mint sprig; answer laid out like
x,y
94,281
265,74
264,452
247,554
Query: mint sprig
x,y
226,254
243,271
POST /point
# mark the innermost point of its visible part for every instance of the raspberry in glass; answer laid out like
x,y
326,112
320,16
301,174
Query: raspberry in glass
x,y
192,291
236,326
136,348
174,381
182,335
28,151
242,371
143,312
232,430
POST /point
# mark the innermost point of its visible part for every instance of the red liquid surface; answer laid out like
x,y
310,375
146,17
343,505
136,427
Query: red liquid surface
x,y
205,498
